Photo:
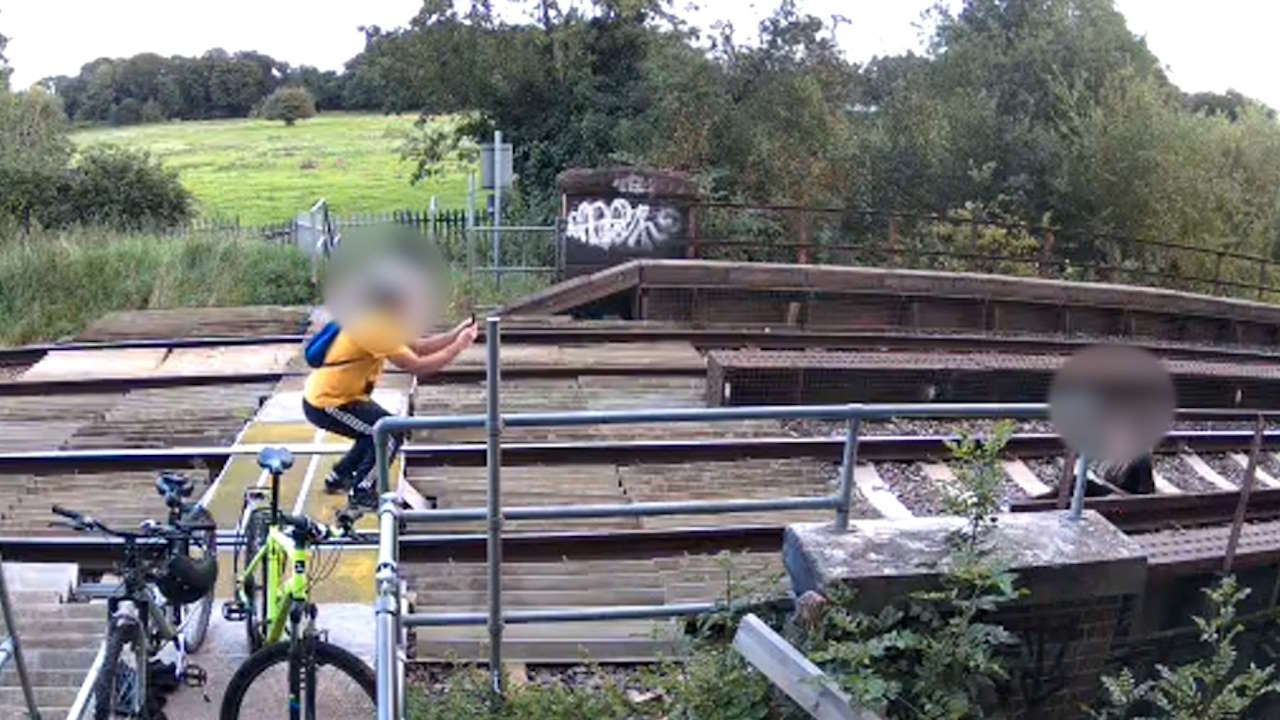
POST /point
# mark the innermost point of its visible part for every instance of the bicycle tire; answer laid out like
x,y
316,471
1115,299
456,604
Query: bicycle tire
x,y
276,656
255,588
118,636
198,612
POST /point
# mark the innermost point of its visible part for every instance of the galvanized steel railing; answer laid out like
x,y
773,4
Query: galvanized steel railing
x,y
390,621
11,648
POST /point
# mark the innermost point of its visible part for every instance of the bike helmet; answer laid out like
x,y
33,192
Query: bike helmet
x,y
186,580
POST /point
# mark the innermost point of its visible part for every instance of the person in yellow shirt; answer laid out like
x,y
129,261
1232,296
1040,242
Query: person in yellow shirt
x,y
338,395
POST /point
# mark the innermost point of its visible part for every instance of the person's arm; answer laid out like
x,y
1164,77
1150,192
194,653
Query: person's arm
x,y
439,341
409,360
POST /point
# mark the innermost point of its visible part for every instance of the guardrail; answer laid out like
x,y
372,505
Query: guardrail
x,y
11,649
389,619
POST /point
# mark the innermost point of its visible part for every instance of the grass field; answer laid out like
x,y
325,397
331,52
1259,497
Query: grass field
x,y
262,172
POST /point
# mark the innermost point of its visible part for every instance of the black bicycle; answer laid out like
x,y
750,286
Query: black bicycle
x,y
165,596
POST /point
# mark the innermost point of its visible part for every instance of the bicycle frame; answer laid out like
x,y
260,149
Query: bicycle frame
x,y
279,552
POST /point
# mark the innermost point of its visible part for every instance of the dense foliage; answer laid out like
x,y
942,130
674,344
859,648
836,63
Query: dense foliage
x,y
149,87
1031,111
1040,111
1212,687
289,104
116,187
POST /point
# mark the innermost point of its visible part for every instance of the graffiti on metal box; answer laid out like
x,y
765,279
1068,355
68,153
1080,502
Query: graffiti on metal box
x,y
618,222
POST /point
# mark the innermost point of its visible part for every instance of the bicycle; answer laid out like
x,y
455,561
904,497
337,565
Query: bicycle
x,y
318,680
165,596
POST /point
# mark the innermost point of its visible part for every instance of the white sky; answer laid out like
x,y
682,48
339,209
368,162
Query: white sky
x,y
1206,46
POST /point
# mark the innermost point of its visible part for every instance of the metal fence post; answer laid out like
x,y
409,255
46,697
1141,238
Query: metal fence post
x,y
493,425
1082,481
21,662
848,459
387,610
497,209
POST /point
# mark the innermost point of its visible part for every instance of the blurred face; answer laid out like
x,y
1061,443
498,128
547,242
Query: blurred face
x,y
387,281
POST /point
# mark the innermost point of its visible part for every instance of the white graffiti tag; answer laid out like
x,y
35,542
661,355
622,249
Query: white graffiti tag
x,y
609,224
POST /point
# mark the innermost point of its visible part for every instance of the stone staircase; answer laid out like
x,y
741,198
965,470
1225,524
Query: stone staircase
x,y
59,640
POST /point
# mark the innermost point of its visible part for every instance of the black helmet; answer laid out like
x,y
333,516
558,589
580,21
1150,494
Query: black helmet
x,y
186,580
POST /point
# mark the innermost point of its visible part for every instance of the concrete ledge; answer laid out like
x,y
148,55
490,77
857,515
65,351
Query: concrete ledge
x,y
1056,559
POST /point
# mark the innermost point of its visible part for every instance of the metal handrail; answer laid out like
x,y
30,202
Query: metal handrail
x,y
83,706
389,619
14,647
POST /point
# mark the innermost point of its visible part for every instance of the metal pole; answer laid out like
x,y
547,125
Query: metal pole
x,y
470,226
1251,471
1082,481
381,462
497,209
387,610
23,678
493,424
847,461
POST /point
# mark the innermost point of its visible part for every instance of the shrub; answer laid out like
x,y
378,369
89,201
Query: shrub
x,y
289,104
118,187
1201,690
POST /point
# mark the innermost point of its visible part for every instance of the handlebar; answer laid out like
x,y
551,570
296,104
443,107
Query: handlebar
x,y
80,521
319,532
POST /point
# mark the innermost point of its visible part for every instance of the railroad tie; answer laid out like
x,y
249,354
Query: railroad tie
x,y
1163,486
1209,474
1263,477
874,489
1025,478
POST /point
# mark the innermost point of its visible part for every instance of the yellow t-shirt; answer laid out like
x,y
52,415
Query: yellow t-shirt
x,y
354,363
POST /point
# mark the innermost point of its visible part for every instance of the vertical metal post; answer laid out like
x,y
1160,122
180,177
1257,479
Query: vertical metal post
x,y
1082,481
493,426
470,226
1242,507
21,662
847,461
387,610
382,463
497,209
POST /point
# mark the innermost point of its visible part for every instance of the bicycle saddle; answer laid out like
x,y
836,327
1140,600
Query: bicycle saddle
x,y
275,460
174,484
186,580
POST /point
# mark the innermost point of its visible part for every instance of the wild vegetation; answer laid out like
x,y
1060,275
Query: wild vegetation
x,y
52,284
259,171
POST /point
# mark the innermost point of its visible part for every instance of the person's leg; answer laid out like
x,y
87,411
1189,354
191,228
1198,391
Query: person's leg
x,y
363,415
339,478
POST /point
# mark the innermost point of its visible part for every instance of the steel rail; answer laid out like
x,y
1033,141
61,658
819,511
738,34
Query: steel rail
x,y
721,336
872,448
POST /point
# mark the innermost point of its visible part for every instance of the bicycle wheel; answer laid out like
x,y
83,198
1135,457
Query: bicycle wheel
x,y
344,685
118,691
255,584
196,614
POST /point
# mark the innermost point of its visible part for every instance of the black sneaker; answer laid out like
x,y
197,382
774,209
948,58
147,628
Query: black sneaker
x,y
363,496
335,484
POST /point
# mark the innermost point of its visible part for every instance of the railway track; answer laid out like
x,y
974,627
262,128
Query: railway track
x,y
583,367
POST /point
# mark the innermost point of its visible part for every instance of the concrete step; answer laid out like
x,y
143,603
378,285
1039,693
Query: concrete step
x,y
45,696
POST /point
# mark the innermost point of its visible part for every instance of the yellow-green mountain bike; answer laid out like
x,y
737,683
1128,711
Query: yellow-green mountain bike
x,y
293,667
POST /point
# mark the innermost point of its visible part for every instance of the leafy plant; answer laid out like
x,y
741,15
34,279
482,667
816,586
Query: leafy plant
x,y
932,657
1204,689
979,487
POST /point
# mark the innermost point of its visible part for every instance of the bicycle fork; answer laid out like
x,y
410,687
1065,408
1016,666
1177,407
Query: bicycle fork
x,y
302,662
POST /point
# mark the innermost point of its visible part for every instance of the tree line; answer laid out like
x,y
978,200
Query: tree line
x,y
151,88
1048,112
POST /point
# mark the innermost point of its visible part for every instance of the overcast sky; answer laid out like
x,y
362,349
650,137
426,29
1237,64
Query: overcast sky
x,y
1206,45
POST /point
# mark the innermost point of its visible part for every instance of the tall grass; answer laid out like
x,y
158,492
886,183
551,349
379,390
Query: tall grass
x,y
53,285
